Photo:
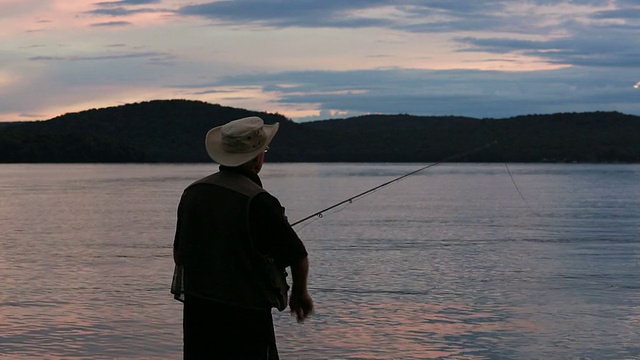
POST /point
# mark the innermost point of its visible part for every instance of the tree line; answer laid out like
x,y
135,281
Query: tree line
x,y
174,130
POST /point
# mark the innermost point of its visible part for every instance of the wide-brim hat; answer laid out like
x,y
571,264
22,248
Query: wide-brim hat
x,y
239,141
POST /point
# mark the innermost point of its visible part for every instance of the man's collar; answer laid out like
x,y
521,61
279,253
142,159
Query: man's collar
x,y
240,170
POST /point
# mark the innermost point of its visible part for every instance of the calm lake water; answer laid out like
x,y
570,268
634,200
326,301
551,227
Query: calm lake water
x,y
451,263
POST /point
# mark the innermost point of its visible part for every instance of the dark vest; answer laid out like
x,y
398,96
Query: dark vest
x,y
220,261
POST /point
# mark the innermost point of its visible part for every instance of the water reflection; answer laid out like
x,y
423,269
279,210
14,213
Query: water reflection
x,y
412,330
449,264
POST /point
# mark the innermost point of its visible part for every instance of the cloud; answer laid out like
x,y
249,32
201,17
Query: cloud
x,y
338,57
112,23
150,55
125,8
29,116
284,13
128,2
450,92
618,14
599,46
205,92
411,15
121,11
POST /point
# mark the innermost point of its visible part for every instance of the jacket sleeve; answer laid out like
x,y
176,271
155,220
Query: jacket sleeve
x,y
271,232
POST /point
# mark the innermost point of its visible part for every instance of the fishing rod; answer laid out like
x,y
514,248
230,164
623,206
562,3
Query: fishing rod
x,y
351,199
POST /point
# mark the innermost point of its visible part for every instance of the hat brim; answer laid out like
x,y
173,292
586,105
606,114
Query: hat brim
x,y
213,144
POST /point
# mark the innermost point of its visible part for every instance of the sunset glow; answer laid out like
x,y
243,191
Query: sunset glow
x,y
342,59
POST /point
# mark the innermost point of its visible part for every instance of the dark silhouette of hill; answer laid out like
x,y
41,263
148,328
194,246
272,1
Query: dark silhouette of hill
x,y
174,130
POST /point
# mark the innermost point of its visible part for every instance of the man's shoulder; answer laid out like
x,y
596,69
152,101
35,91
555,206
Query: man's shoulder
x,y
267,198
267,206
229,180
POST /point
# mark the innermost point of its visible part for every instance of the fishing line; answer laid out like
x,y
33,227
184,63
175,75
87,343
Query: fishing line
x,y
320,214
513,181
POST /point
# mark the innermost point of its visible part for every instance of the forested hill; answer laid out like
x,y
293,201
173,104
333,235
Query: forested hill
x,y
174,130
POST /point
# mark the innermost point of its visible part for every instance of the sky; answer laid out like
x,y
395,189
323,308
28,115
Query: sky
x,y
311,59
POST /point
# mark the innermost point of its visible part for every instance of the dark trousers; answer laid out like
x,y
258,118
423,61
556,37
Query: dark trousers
x,y
218,331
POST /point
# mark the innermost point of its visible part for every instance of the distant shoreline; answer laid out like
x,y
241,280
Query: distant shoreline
x,y
172,131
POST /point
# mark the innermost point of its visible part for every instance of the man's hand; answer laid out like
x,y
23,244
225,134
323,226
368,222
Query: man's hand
x,y
301,305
